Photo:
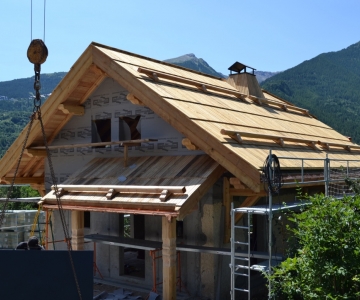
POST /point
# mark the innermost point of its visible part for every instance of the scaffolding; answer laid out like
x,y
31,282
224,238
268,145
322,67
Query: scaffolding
x,y
334,172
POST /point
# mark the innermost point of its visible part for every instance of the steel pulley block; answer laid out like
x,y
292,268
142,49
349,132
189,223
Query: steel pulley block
x,y
37,52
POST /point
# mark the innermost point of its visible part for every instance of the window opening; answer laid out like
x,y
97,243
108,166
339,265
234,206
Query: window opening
x,y
86,219
132,260
101,131
179,229
129,128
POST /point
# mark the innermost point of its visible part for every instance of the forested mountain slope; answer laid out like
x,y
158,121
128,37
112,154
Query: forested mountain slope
x,y
328,85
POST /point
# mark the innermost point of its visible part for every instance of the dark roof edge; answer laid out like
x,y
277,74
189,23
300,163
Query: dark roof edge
x,y
154,60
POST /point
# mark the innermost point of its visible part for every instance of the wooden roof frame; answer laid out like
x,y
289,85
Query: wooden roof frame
x,y
71,93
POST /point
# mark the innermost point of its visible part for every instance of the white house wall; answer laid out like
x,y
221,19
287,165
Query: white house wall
x,y
109,101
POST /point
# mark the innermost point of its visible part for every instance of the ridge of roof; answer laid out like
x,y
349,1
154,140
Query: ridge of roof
x,y
154,60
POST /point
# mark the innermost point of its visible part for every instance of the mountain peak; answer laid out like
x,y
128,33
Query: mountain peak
x,y
190,61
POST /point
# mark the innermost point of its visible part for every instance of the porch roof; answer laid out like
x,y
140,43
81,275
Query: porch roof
x,y
166,185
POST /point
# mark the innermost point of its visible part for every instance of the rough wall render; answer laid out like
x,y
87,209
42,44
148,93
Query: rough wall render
x,y
109,103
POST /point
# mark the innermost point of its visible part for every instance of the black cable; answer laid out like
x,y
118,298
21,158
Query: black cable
x,y
272,174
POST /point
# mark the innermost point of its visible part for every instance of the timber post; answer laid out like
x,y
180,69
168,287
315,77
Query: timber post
x,y
169,257
77,230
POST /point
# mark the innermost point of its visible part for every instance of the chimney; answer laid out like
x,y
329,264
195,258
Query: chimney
x,y
245,82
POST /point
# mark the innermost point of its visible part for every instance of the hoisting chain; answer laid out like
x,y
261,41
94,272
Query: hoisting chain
x,y
37,112
37,87
37,54
58,200
10,190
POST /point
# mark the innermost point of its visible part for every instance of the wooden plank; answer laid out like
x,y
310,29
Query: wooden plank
x,y
261,100
347,147
310,143
179,121
230,119
169,258
120,143
122,188
120,210
199,85
92,88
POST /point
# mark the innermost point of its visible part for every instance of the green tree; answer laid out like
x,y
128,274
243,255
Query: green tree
x,y
19,192
326,265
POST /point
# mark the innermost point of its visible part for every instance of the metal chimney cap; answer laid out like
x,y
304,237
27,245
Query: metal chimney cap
x,y
239,67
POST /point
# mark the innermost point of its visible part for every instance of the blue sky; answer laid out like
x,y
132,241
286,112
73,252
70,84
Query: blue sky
x,y
267,35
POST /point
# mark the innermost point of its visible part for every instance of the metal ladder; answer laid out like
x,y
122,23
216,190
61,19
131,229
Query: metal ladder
x,y
239,263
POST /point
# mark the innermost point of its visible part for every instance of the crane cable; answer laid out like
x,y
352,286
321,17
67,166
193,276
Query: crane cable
x,y
31,22
37,54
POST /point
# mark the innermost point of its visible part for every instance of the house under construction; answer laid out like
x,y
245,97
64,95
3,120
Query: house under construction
x,y
149,156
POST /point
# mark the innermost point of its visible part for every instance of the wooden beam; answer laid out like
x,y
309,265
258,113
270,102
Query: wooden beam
x,y
155,75
180,121
53,135
169,258
27,171
347,147
195,197
111,193
39,163
278,139
126,148
33,152
134,100
77,230
26,180
102,75
236,183
247,192
120,143
165,194
122,188
189,145
77,110
249,201
40,188
227,199
261,101
60,93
